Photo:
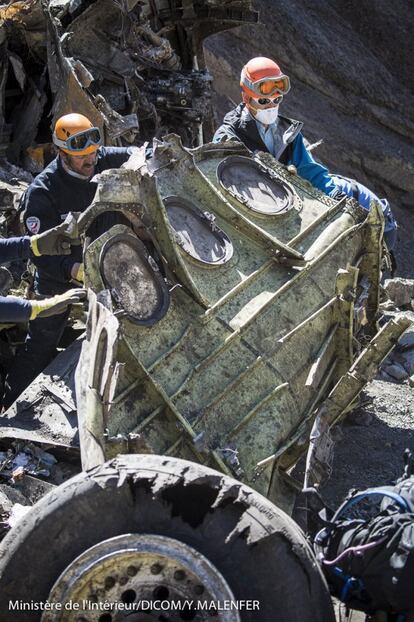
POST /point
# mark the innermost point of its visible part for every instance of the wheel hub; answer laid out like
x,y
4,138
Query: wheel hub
x,y
141,578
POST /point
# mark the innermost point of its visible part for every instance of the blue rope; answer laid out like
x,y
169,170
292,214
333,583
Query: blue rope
x,y
403,503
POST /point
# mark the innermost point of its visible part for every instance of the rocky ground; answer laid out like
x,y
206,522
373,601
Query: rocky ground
x,y
370,443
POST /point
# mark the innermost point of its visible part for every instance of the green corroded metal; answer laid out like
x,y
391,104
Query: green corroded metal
x,y
233,373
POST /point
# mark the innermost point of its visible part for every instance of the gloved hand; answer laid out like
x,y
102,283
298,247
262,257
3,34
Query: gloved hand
x,y
57,304
77,273
337,194
57,241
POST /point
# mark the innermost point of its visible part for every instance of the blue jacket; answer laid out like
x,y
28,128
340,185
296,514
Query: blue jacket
x,y
53,194
14,309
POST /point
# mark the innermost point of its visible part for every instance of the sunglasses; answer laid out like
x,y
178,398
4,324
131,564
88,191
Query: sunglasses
x,y
80,141
264,101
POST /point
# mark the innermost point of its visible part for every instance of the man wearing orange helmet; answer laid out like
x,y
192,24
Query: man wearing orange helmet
x,y
64,186
256,122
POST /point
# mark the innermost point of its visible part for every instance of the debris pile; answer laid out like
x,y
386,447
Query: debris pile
x,y
135,68
20,467
25,458
27,473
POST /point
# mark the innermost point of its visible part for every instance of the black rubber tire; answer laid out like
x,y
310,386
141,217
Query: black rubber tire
x,y
266,558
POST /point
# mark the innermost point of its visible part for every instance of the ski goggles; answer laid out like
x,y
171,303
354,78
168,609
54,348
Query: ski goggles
x,y
80,141
265,101
267,87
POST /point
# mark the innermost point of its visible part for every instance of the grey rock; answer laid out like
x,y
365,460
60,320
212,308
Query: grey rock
x,y
411,381
407,340
9,496
401,291
408,361
397,371
384,376
360,417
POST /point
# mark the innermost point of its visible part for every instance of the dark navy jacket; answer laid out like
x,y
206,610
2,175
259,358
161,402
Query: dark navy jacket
x,y
53,194
14,309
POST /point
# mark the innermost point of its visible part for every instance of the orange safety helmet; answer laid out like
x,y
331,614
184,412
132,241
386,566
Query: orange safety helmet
x,y
76,135
261,77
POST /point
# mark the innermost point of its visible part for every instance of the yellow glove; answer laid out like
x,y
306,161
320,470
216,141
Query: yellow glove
x,y
77,272
55,305
57,241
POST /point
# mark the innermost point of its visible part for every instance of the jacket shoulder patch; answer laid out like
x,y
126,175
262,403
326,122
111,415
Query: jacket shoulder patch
x,y
33,224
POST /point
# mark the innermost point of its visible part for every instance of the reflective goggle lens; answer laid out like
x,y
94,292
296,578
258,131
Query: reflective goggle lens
x,y
263,101
273,85
84,139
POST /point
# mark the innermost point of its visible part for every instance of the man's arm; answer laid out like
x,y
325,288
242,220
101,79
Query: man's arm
x,y
309,169
225,133
56,241
12,249
14,309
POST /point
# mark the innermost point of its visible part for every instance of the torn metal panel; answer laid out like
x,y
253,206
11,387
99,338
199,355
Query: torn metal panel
x,y
344,393
118,126
250,329
69,93
26,23
97,37
18,69
27,117
70,79
94,384
46,411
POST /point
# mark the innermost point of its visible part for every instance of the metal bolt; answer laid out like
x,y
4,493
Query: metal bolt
x,y
132,571
156,568
179,575
109,582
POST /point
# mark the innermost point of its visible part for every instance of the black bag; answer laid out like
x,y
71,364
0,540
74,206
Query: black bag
x,y
369,562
